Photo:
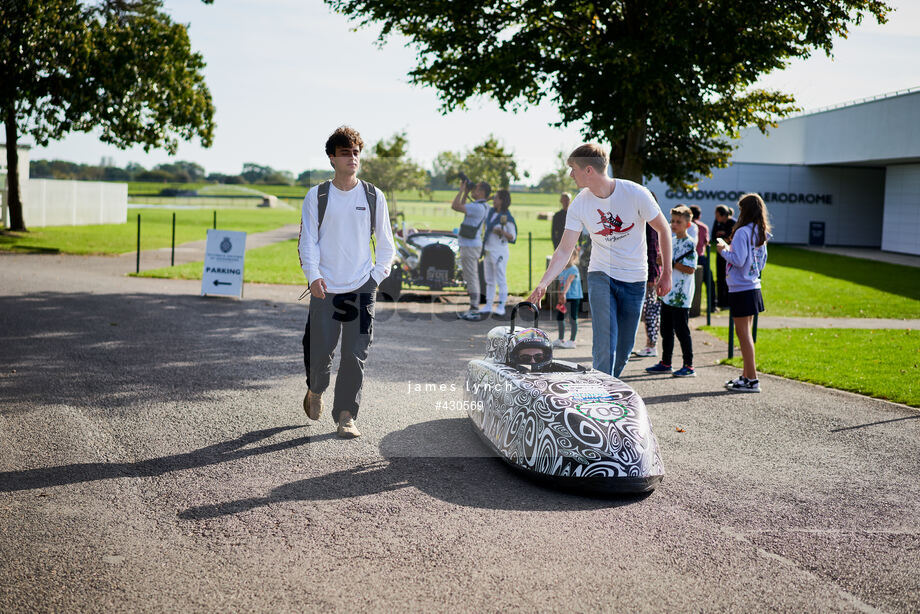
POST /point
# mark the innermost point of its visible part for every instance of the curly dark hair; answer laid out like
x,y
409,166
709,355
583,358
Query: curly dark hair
x,y
344,136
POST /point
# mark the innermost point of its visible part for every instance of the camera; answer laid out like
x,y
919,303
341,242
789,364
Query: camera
x,y
462,177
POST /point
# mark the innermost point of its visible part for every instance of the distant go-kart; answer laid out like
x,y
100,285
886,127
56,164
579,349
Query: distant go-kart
x,y
427,258
561,422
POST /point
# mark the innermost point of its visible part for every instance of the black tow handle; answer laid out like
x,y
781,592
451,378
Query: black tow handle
x,y
536,313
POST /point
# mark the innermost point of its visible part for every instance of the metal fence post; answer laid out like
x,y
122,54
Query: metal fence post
x,y
754,331
172,255
215,219
707,278
138,267
731,336
529,260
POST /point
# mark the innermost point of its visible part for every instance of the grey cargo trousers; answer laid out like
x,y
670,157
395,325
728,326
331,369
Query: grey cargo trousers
x,y
351,316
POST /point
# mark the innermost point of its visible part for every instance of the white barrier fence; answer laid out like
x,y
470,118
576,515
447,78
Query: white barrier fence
x,y
52,202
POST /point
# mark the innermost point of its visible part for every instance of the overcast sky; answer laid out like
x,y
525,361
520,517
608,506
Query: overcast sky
x,y
285,73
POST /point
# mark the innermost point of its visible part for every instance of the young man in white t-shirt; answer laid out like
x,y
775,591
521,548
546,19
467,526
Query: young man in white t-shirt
x,y
335,255
614,212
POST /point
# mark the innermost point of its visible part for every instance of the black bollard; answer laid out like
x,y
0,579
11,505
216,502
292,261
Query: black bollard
x,y
529,260
172,255
707,280
731,336
138,268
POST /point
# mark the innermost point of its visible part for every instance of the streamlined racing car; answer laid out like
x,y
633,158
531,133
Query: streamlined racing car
x,y
556,420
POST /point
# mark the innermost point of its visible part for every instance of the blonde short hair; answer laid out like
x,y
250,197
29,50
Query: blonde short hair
x,y
682,211
589,154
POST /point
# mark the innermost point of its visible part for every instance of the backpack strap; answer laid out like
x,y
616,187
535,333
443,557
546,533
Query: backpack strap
x,y
322,199
370,192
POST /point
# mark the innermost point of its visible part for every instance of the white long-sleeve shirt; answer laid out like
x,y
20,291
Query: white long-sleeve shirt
x,y
339,251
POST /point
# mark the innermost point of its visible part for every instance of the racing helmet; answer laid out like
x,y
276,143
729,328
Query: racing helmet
x,y
532,348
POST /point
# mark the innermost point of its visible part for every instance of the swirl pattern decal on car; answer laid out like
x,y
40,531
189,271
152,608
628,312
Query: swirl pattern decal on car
x,y
563,424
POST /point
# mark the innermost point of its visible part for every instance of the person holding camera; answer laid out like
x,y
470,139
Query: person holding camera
x,y
474,214
501,229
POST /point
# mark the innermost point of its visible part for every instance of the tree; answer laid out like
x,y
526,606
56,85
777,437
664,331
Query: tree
x,y
559,180
313,176
119,66
445,168
389,168
667,83
487,161
191,171
254,173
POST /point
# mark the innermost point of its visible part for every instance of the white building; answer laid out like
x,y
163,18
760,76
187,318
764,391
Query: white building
x,y
52,202
855,169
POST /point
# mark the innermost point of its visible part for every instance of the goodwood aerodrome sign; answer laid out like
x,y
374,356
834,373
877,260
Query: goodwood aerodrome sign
x,y
768,197
223,263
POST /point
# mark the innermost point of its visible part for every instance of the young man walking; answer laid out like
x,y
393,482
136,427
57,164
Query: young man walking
x,y
470,240
614,212
339,219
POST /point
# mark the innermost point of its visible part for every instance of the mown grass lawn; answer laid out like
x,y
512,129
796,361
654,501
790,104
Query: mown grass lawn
x,y
156,230
807,283
272,264
796,282
279,263
884,363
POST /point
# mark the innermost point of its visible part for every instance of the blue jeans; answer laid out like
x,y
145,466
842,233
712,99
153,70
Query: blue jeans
x,y
615,309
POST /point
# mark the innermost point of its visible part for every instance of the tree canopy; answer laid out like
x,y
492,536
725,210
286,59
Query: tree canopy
x,y
120,66
387,166
559,180
488,161
666,83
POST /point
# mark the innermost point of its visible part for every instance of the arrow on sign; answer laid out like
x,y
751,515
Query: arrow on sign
x,y
222,283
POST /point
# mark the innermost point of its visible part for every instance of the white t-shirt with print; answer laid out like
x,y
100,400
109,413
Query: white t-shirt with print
x,y
682,284
617,228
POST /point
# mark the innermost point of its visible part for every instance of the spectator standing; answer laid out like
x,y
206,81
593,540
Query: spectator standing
x,y
702,271
470,239
675,305
569,301
559,218
501,229
722,229
651,308
746,257
702,234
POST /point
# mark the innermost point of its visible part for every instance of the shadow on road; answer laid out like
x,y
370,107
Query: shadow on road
x,y
89,472
121,351
862,426
442,458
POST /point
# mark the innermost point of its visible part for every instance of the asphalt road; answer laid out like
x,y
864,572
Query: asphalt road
x,y
154,456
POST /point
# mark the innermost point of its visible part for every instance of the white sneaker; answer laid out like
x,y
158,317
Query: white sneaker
x,y
500,310
569,344
469,314
646,352
557,343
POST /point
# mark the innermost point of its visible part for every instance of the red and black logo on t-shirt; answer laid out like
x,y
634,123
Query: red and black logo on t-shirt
x,y
611,224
